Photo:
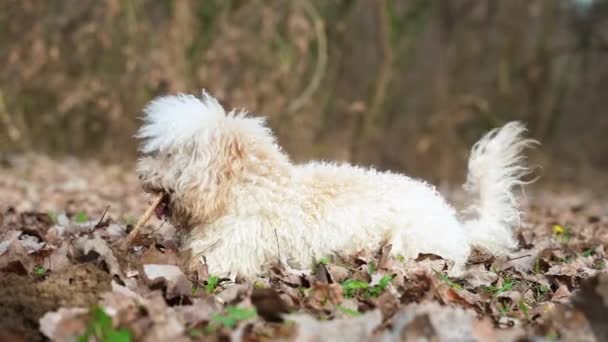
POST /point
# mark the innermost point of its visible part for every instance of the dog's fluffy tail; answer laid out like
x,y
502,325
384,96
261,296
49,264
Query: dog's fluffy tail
x,y
496,166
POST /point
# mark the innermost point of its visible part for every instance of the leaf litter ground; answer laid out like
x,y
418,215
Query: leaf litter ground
x,y
64,277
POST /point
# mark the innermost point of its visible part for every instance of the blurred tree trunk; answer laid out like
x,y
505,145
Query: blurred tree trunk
x,y
541,79
355,78
368,130
14,126
180,39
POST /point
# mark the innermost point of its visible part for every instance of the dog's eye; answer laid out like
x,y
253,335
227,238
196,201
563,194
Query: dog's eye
x,y
152,154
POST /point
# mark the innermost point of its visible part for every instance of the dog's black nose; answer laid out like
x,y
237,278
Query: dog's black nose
x,y
149,188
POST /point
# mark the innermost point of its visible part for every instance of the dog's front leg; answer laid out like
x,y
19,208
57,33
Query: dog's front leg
x,y
229,250
209,263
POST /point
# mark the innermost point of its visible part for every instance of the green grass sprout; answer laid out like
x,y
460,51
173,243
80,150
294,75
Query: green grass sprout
x,y
101,328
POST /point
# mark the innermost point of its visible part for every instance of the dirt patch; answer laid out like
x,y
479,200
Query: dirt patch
x,y
25,300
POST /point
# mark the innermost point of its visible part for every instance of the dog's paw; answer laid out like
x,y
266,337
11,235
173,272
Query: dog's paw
x,y
197,268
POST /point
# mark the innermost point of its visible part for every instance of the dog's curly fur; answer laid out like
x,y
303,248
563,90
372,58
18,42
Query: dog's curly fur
x,y
246,205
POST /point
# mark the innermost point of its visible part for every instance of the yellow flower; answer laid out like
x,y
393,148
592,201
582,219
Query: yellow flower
x,y
558,229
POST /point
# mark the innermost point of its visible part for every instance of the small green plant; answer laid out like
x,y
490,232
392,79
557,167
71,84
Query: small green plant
x,y
323,261
376,290
39,270
448,281
212,284
552,335
81,217
352,287
537,266
52,216
371,267
101,328
230,318
523,307
350,312
568,259
503,308
541,291
507,285
195,333
589,252
600,265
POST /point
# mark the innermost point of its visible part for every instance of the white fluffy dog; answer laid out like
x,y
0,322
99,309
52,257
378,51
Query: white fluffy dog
x,y
246,205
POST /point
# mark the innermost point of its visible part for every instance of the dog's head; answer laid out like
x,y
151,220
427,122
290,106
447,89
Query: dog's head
x,y
194,152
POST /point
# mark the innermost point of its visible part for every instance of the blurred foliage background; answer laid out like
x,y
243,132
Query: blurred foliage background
x,y
406,85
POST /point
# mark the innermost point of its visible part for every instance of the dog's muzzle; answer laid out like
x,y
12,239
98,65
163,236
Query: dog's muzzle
x,y
163,209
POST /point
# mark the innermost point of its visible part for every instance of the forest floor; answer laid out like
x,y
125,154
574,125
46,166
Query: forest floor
x,y
63,275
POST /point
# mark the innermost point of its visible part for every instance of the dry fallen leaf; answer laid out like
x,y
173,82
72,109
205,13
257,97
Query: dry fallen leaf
x,y
359,328
175,281
477,275
592,300
443,323
202,310
64,324
562,294
85,245
8,239
269,304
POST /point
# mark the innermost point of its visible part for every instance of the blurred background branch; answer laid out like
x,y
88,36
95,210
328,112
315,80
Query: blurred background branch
x,y
321,64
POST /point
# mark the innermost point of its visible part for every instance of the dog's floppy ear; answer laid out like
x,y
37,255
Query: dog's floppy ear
x,y
239,150
206,181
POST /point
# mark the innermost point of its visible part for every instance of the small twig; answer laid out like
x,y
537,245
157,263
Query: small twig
x,y
321,63
142,221
519,257
102,217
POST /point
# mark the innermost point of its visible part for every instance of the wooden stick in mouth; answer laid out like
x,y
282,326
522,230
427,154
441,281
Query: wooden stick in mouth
x,y
143,219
